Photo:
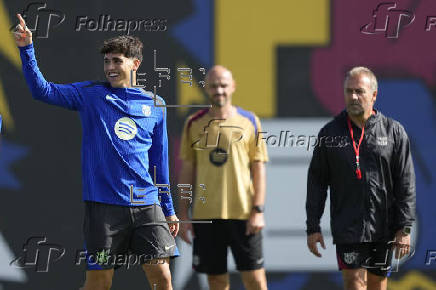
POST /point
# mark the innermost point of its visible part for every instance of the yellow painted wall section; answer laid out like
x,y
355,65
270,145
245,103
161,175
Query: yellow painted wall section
x,y
9,51
247,34
7,46
188,95
412,280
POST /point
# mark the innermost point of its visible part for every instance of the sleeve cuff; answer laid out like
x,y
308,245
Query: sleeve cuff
x,y
167,209
400,226
23,48
313,229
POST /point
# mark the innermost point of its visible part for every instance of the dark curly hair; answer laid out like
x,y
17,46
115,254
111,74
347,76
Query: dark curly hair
x,y
129,46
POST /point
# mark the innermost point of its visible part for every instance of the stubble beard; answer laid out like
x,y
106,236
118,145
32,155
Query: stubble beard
x,y
356,111
218,103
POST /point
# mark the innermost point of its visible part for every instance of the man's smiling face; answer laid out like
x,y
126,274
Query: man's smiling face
x,y
117,69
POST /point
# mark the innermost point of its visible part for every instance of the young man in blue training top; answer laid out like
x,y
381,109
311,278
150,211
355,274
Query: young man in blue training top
x,y
124,155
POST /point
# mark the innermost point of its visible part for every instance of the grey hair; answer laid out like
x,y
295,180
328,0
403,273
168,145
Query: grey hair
x,y
361,70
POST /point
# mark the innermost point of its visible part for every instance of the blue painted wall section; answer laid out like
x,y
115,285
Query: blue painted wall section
x,y
10,153
411,103
196,32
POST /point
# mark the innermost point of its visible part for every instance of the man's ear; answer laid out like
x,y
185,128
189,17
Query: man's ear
x,y
374,96
136,64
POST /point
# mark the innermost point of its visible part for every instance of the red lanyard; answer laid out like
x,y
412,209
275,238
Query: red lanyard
x,y
356,148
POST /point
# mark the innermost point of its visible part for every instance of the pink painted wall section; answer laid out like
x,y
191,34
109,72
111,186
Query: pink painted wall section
x,y
411,55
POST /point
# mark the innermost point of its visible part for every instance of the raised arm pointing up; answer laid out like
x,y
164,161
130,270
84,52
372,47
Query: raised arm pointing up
x,y
22,34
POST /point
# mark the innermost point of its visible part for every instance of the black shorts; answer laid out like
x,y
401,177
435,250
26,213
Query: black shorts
x,y
375,257
118,236
212,240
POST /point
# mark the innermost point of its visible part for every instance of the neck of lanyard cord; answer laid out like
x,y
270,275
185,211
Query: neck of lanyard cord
x,y
356,148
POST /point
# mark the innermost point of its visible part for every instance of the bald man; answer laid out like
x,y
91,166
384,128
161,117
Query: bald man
x,y
220,152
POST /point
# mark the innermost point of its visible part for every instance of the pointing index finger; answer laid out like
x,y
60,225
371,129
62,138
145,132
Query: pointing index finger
x,y
22,22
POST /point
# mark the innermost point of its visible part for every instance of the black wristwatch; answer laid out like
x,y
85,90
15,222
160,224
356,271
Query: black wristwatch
x,y
258,208
406,230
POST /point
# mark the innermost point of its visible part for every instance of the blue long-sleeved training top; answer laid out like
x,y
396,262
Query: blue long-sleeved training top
x,y
124,137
